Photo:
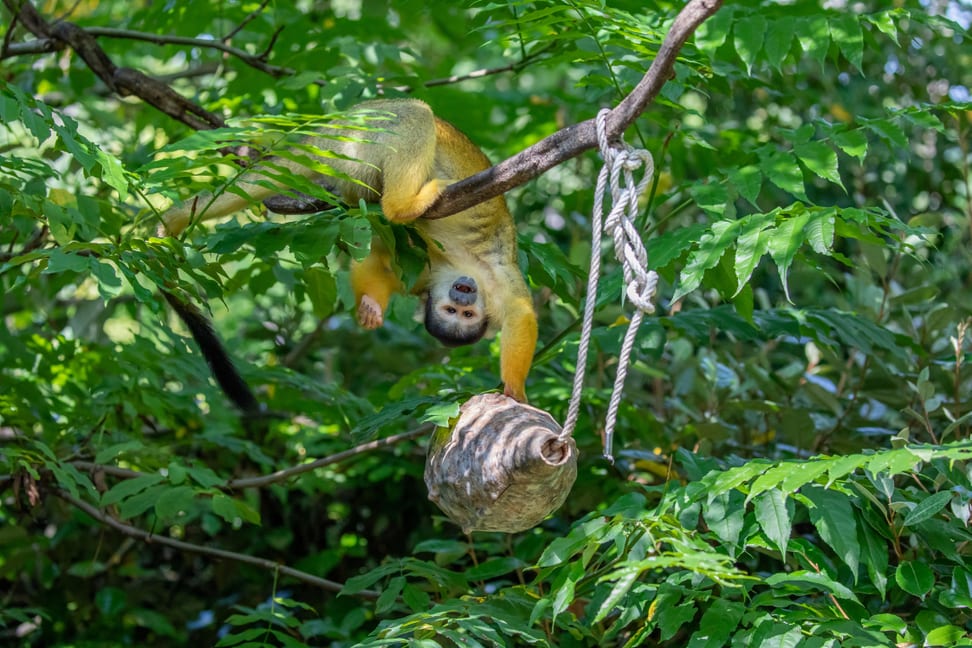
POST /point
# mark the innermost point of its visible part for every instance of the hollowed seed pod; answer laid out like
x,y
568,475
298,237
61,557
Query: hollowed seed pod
x,y
502,467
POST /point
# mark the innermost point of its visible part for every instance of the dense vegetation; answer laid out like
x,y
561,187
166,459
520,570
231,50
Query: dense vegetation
x,y
793,459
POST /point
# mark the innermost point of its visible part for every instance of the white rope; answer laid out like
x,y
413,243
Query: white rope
x,y
620,163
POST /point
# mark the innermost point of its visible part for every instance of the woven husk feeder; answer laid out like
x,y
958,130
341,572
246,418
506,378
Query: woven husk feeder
x,y
502,467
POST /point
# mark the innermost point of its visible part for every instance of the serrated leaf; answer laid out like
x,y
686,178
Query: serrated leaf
x,y
927,508
748,34
747,181
821,160
752,244
814,36
820,231
845,30
852,142
712,246
889,131
885,23
712,33
774,513
782,169
779,40
785,242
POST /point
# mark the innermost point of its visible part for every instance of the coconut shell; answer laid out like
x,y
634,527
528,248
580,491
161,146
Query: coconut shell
x,y
503,466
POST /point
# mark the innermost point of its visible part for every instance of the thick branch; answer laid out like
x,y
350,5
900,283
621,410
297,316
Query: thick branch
x,y
124,81
221,554
574,140
563,145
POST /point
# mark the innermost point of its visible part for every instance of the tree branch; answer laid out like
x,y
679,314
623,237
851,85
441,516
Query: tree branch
x,y
123,81
574,140
563,145
274,477
221,554
282,475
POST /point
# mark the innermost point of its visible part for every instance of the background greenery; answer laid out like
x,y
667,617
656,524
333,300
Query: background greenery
x,y
793,458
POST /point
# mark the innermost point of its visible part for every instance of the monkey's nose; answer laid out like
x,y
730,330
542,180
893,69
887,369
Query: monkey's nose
x,y
465,285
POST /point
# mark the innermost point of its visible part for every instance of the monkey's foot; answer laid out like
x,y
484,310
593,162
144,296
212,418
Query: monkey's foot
x,y
369,313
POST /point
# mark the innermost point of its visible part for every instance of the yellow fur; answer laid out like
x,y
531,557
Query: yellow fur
x,y
404,166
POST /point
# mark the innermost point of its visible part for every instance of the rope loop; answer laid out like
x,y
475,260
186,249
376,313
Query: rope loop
x,y
621,161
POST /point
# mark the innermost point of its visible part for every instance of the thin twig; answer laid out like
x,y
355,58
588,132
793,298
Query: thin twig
x,y
282,475
221,554
246,21
257,61
274,477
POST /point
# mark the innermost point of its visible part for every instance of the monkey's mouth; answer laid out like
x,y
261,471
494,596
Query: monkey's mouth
x,y
464,285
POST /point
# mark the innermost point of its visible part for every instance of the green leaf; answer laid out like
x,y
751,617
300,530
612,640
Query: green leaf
x,y
779,40
914,577
820,159
852,142
782,169
752,244
712,33
874,551
748,34
174,501
321,289
885,23
927,508
724,514
718,623
747,181
888,131
817,579
127,488
833,517
712,246
141,502
813,33
845,29
946,635
774,513
787,239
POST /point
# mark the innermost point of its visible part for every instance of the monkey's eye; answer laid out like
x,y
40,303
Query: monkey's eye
x,y
468,314
451,310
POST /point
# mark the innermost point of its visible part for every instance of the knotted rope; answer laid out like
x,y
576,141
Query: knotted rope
x,y
620,163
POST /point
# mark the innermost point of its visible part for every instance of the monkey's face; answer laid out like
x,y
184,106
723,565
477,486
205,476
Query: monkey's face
x,y
455,311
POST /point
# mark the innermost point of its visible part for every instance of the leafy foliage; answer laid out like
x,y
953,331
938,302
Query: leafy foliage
x,y
795,463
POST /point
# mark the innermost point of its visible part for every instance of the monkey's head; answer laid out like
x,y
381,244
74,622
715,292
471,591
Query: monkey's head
x,y
455,310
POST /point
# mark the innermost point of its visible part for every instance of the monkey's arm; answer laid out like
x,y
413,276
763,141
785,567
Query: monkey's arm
x,y
518,342
374,282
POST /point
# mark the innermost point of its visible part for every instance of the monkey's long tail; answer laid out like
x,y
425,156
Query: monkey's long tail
x,y
217,357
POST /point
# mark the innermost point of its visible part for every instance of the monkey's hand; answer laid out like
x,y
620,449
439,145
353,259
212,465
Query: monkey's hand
x,y
369,313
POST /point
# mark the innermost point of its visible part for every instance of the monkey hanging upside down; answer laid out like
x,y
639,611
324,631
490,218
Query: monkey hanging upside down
x,y
473,283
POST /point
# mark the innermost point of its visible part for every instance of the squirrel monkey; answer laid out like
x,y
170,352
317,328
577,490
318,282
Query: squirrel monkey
x,y
472,284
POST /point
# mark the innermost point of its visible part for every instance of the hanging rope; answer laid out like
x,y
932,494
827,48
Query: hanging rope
x,y
620,163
